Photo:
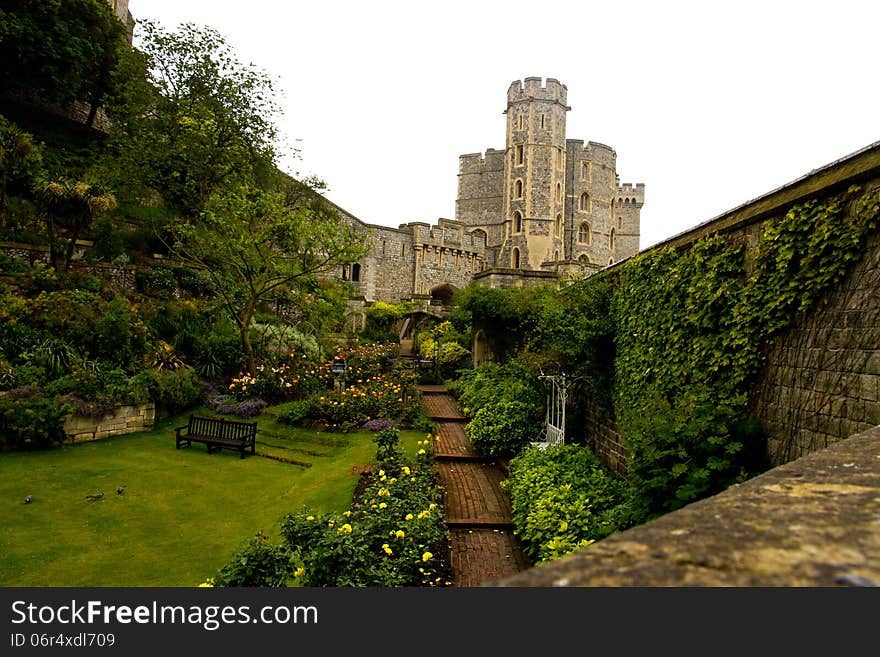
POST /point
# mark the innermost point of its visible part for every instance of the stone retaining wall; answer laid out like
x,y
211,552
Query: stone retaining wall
x,y
126,419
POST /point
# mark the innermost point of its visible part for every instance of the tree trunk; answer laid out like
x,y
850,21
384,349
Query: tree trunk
x,y
244,327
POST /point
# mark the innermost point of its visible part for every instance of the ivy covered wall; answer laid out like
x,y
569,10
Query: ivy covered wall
x,y
705,360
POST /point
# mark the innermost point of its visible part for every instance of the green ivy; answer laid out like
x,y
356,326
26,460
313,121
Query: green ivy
x,y
691,330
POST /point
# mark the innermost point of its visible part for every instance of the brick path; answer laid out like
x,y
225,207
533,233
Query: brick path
x,y
482,544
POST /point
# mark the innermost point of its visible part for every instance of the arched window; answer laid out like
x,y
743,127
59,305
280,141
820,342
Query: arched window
x,y
480,235
610,261
517,222
611,240
556,256
585,171
583,259
558,228
585,235
518,189
356,272
584,202
620,222
345,272
559,192
519,154
514,258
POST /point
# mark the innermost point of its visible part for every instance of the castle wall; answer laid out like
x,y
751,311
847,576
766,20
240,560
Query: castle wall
x,y
414,258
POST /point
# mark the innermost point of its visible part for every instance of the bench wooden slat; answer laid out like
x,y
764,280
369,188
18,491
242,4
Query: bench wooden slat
x,y
218,432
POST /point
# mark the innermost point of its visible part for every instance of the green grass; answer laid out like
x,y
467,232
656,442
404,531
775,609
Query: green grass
x,y
183,514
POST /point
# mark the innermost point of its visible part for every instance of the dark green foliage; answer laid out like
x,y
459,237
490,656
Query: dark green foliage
x,y
491,383
294,412
155,280
382,319
258,563
503,428
30,419
392,536
172,390
388,452
507,317
64,49
119,335
563,499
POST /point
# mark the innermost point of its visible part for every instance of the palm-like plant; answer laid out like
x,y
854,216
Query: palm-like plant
x,y
70,207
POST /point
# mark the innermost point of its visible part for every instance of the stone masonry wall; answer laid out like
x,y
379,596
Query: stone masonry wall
x,y
822,378
124,420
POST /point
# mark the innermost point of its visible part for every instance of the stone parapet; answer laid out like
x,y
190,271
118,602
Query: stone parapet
x,y
811,522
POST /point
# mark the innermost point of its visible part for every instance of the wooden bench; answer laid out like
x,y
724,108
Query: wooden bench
x,y
218,433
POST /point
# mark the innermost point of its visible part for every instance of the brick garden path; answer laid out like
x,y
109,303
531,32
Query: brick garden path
x,y
482,544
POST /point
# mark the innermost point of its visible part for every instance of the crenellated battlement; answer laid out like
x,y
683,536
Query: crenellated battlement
x,y
592,151
536,89
477,163
626,192
446,234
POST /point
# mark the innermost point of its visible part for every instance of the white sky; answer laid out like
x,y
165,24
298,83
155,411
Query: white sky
x,y
710,104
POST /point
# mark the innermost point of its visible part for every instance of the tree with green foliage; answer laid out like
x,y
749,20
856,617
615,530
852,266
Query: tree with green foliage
x,y
17,152
69,208
64,50
257,249
203,124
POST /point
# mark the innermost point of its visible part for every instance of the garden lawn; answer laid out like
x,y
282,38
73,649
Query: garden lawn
x,y
183,513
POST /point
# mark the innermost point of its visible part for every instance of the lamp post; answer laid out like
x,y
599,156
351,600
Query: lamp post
x,y
338,368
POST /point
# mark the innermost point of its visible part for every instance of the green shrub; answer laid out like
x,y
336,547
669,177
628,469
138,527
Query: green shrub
x,y
563,499
172,390
294,412
492,383
258,563
503,429
392,536
119,335
30,419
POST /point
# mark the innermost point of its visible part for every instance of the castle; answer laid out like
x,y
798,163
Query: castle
x,y
542,208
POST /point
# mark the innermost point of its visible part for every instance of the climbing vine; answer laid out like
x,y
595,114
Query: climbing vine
x,y
691,331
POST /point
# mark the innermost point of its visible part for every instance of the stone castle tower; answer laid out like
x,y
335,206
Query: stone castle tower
x,y
544,208
546,201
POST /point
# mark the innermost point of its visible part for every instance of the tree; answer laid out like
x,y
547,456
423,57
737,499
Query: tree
x,y
258,248
206,125
17,152
70,207
63,49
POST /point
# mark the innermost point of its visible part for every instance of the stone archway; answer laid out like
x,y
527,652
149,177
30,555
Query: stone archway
x,y
442,294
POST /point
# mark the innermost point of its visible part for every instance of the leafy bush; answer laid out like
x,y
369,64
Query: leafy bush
x,y
492,383
258,563
503,429
294,412
563,499
393,535
30,419
171,390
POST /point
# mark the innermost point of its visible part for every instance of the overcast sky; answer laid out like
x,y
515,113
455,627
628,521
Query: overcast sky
x,y
709,104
